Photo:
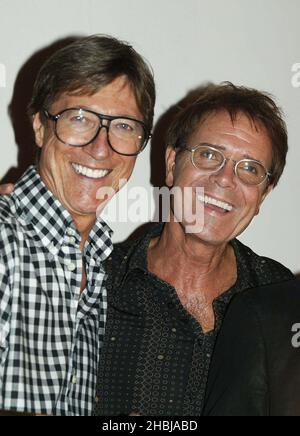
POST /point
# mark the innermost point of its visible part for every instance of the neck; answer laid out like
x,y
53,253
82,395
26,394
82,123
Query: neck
x,y
84,225
198,271
188,251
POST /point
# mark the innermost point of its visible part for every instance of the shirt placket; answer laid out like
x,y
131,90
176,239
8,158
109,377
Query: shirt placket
x,y
96,301
72,265
87,304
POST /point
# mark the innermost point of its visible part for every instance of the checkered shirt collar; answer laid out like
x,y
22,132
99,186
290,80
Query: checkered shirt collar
x,y
38,206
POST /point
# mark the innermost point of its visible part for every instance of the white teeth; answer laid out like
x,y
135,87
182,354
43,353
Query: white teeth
x,y
214,202
88,172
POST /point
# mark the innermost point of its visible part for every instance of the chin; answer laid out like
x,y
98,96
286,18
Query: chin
x,y
212,238
85,208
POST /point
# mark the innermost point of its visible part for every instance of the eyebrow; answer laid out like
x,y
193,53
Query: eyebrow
x,y
222,148
86,108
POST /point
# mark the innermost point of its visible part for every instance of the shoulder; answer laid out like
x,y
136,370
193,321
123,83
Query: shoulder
x,y
266,313
123,249
8,216
134,248
12,226
118,264
7,209
264,270
280,300
261,317
121,253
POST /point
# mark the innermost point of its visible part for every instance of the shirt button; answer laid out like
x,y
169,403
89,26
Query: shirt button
x,y
65,249
71,267
53,250
113,339
161,357
174,330
72,240
74,379
70,232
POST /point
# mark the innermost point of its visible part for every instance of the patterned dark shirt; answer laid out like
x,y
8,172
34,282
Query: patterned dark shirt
x,y
50,334
156,357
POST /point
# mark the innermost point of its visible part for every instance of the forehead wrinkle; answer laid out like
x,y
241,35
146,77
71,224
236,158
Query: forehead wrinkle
x,y
93,102
239,134
243,138
93,109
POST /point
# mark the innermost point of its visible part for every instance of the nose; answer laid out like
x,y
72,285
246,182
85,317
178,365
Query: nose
x,y
100,149
226,177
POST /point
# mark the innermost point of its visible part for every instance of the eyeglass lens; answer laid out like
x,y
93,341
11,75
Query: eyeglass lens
x,y
79,128
248,171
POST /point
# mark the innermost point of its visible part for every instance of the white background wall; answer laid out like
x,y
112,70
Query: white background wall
x,y
249,42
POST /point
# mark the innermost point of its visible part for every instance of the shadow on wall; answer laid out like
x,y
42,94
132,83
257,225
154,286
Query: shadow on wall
x,y
159,140
159,143
17,109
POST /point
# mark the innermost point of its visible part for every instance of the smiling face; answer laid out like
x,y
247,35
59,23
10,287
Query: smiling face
x,y
75,174
230,205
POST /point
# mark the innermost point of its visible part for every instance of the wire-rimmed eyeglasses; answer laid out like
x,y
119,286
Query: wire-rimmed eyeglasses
x,y
249,171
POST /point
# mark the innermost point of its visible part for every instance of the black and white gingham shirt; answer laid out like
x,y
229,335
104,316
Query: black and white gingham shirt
x,y
50,334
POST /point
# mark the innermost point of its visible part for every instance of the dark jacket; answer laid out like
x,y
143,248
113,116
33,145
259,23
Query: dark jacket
x,y
256,365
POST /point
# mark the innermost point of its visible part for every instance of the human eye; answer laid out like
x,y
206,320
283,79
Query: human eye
x,y
250,168
124,125
208,155
80,119
77,119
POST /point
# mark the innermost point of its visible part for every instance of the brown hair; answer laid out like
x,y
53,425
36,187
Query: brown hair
x,y
86,66
258,106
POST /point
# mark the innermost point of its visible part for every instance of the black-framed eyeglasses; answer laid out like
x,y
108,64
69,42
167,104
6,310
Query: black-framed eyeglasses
x,y
79,127
249,171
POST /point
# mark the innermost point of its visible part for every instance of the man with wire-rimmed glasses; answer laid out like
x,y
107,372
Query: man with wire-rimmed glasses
x,y
169,291
92,113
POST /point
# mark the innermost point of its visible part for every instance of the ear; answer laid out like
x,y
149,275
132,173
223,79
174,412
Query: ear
x,y
39,130
266,193
170,165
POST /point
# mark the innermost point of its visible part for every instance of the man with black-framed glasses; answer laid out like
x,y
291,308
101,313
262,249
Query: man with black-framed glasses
x,y
52,246
79,127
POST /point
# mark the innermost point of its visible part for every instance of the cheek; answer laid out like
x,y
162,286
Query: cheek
x,y
127,166
186,175
52,149
48,153
122,172
55,163
252,199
